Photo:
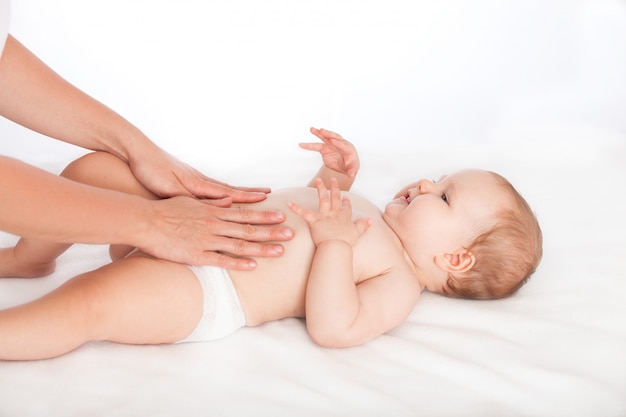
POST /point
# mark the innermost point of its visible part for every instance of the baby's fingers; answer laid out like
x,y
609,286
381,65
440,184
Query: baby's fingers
x,y
306,214
325,135
335,195
362,225
325,203
312,146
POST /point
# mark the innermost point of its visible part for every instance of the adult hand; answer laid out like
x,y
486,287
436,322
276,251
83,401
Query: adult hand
x,y
191,231
39,99
166,176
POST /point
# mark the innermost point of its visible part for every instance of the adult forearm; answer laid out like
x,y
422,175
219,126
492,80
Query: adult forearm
x,y
36,97
41,205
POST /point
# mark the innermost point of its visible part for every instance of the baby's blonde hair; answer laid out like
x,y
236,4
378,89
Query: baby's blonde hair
x,y
507,253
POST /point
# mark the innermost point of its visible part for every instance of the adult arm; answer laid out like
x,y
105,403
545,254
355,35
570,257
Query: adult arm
x,y
41,205
34,96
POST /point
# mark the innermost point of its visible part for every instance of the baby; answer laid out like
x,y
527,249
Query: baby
x,y
353,272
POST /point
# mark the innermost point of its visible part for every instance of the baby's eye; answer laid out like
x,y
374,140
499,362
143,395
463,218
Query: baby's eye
x,y
444,197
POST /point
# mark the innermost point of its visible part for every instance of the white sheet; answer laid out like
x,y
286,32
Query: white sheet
x,y
556,348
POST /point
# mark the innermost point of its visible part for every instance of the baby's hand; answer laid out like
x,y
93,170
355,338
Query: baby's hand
x,y
338,154
333,220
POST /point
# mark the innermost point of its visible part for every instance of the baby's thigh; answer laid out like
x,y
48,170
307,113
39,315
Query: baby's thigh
x,y
143,300
104,170
117,252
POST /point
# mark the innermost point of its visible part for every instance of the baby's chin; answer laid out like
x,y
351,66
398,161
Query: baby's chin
x,y
392,211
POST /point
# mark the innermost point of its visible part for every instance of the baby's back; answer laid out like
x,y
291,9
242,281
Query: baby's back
x,y
276,288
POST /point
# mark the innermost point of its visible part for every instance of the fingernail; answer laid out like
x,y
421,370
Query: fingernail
x,y
287,232
278,250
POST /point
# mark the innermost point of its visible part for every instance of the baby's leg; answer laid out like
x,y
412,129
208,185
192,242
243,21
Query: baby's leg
x,y
35,258
105,170
30,258
137,300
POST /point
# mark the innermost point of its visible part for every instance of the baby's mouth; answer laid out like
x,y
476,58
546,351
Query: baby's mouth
x,y
403,198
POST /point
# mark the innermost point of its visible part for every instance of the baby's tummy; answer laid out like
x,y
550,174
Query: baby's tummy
x,y
276,288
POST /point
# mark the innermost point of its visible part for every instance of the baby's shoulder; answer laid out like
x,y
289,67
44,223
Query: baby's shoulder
x,y
380,252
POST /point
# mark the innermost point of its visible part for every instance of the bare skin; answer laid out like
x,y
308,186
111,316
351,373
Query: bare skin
x,y
140,299
44,206
345,270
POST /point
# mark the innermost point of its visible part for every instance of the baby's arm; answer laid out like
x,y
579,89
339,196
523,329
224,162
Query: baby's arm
x,y
340,312
341,160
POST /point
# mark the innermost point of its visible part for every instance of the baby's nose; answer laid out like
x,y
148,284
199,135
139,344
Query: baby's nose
x,y
424,186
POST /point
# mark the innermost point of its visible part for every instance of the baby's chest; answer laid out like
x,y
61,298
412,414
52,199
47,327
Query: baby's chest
x,y
377,252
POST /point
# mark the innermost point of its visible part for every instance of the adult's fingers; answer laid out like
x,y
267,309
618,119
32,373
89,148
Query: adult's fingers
x,y
201,186
246,215
223,260
252,232
244,248
216,190
237,254
219,202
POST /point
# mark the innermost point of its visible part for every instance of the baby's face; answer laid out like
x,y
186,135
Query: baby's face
x,y
433,218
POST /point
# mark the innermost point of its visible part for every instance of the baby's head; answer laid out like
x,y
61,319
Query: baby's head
x,y
469,234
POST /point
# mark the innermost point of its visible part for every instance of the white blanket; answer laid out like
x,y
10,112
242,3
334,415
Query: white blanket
x,y
533,90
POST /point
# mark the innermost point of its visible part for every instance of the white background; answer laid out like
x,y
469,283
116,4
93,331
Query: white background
x,y
215,81
534,89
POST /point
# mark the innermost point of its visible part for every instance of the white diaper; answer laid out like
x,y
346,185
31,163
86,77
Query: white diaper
x,y
221,313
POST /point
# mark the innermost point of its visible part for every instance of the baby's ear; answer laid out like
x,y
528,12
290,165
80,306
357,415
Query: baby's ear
x,y
460,261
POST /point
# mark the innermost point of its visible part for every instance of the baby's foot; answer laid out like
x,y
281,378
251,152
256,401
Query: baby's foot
x,y
13,267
